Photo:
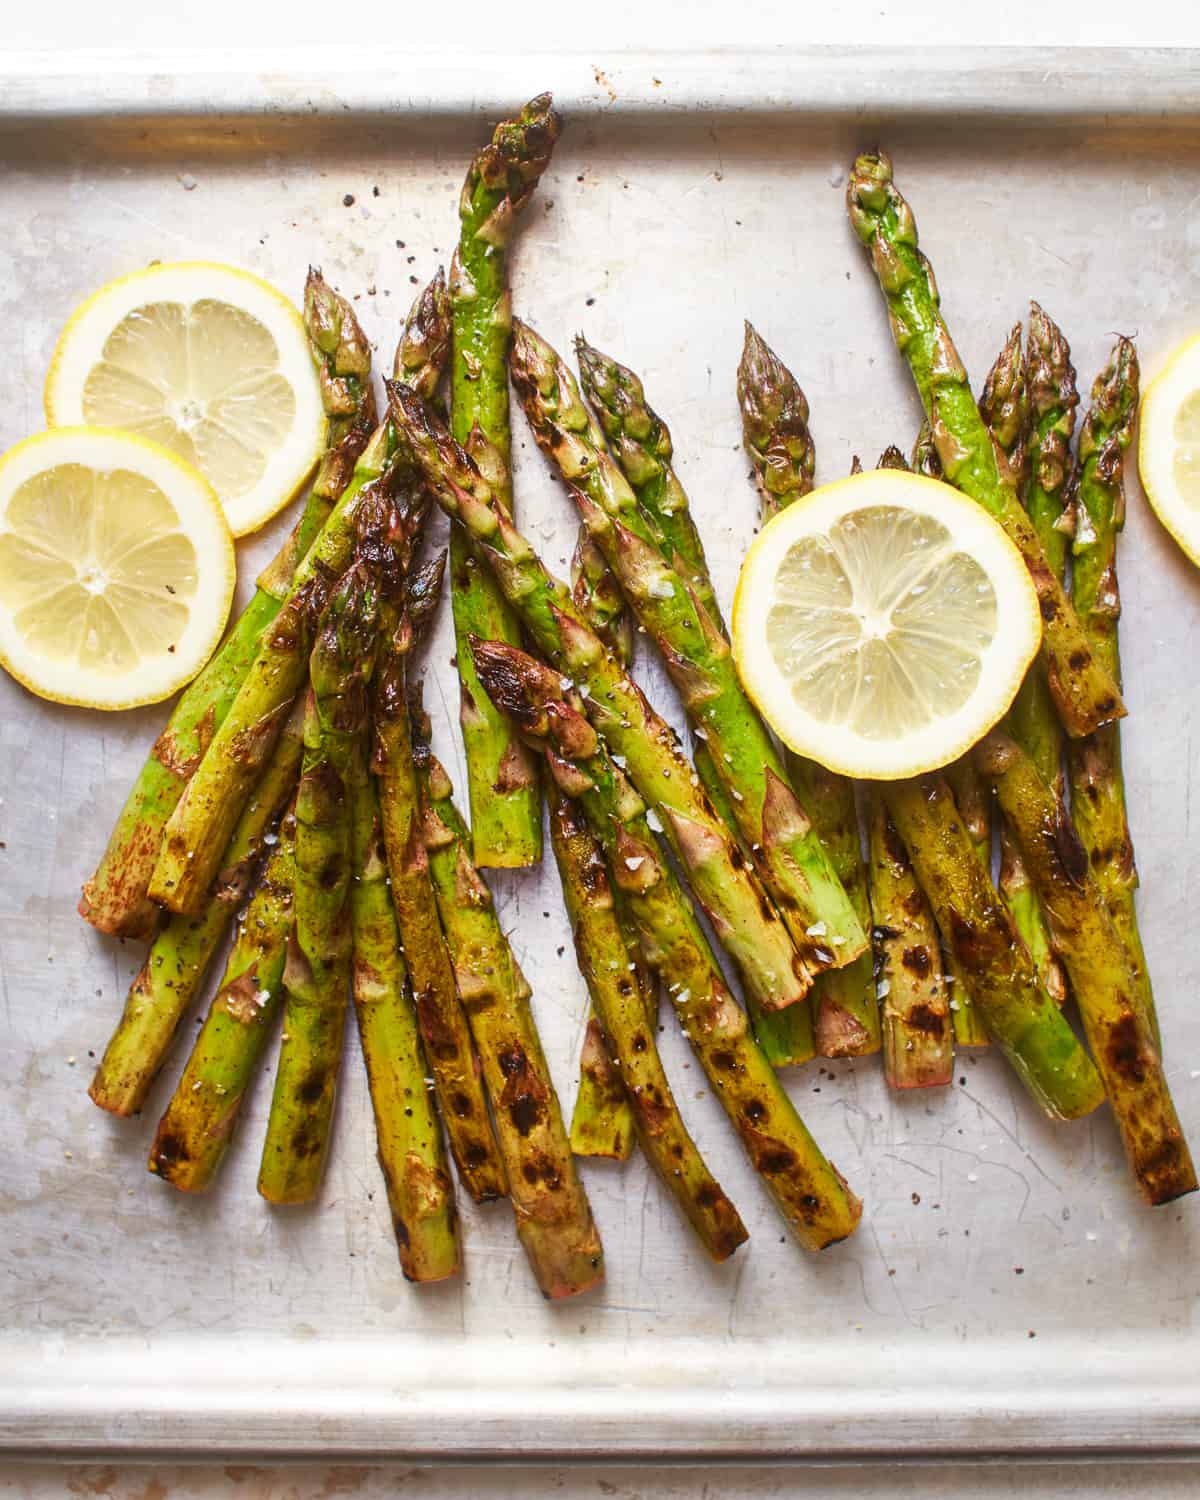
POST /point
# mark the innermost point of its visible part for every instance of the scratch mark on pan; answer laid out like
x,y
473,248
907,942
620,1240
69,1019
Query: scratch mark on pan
x,y
1033,1162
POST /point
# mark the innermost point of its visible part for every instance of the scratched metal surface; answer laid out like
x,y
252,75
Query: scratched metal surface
x,y
1005,1292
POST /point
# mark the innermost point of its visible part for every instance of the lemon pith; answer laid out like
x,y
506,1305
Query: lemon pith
x,y
883,624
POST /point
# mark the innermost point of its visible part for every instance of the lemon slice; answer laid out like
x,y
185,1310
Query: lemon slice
x,y
116,568
1169,447
207,360
883,624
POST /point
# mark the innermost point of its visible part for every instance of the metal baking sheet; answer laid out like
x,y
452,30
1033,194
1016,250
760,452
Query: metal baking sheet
x,y
1006,1293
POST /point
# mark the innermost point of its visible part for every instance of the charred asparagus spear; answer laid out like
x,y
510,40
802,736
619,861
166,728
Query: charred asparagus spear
x,y
788,855
774,425
553,1217
971,801
975,925
502,786
408,1133
629,1032
641,444
202,819
1118,1031
1097,780
598,597
1084,691
777,438
194,1133
184,946
115,899
441,1020
317,970
809,1193
1006,410
918,1043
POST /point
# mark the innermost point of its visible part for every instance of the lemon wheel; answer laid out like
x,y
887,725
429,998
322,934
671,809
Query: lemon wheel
x,y
883,624
209,361
1169,447
117,568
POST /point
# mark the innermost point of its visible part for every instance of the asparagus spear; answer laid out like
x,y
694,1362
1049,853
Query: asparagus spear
x,y
1053,398
628,1030
777,438
502,783
774,425
976,927
810,1194
200,824
115,898
184,946
1097,780
195,1131
1006,410
786,1036
553,1217
317,971
1118,1031
408,1133
598,597
918,1042
751,932
641,445
971,802
442,1023
1084,691
788,855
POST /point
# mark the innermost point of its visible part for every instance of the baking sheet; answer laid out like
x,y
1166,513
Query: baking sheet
x,y
1006,1293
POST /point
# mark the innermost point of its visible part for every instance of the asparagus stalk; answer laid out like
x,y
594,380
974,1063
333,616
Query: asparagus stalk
x,y
1084,691
602,1122
976,927
115,899
752,932
782,453
774,425
810,1194
184,946
918,1040
641,444
408,1134
598,597
1118,1031
201,821
786,1036
627,1029
1053,397
502,784
971,802
317,970
553,1217
440,1017
1097,780
1006,409
197,1127
788,855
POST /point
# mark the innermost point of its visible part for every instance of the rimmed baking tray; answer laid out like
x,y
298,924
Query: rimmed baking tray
x,y
1006,1293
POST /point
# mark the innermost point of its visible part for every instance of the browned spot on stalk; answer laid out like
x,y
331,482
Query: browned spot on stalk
x,y
312,1088
917,960
924,1018
524,1095
435,1033
1125,1051
538,1168
1065,848
653,1113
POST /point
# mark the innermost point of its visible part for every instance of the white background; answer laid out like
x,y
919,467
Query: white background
x,y
224,33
